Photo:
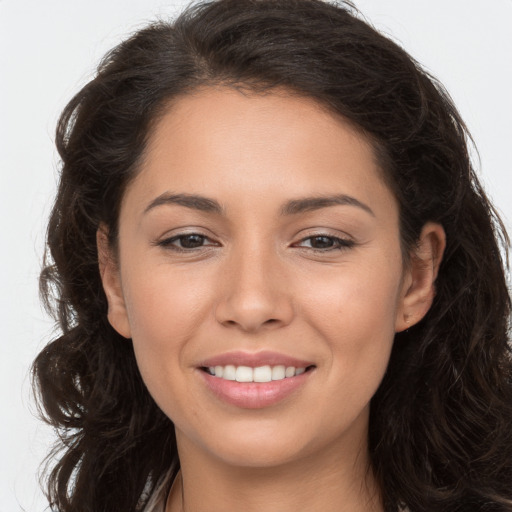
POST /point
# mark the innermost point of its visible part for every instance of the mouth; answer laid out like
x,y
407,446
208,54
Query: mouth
x,y
255,380
259,374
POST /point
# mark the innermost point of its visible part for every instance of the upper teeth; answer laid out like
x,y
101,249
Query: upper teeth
x,y
260,374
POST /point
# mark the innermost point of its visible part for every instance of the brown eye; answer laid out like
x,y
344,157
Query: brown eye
x,y
186,242
191,241
321,242
325,243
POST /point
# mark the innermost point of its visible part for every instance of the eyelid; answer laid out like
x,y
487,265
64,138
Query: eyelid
x,y
342,241
167,241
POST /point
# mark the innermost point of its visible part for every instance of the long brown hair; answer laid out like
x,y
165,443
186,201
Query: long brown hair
x,y
441,422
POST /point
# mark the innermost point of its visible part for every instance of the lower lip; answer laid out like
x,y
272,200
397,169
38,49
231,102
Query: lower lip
x,y
254,395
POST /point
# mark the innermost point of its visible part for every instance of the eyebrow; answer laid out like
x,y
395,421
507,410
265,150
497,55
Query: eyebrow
x,y
192,201
293,207
308,204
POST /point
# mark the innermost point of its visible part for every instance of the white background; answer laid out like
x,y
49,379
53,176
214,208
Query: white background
x,y
48,49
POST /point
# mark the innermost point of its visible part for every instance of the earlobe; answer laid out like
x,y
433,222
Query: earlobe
x,y
418,289
110,278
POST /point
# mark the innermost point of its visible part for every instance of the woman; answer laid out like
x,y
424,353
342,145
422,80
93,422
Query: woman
x,y
278,279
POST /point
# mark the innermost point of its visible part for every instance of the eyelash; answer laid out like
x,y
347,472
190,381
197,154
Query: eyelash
x,y
337,243
168,243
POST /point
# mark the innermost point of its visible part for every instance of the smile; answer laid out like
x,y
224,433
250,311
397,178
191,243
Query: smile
x,y
265,373
255,387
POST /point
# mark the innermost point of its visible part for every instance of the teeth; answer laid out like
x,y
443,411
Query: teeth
x,y
228,372
244,374
260,374
289,372
278,372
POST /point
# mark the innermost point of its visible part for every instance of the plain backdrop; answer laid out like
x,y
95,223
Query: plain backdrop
x,y
49,49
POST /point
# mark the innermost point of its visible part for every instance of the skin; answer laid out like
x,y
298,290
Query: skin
x,y
260,282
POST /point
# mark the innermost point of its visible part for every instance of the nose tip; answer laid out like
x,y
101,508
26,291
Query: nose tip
x,y
251,317
254,300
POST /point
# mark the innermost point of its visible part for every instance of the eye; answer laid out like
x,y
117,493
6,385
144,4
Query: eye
x,y
325,243
186,242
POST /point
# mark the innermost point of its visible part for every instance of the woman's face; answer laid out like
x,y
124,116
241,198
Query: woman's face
x,y
259,234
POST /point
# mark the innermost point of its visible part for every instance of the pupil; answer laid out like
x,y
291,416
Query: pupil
x,y
322,242
192,241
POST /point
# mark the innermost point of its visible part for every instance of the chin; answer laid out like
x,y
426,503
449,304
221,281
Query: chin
x,y
262,454
256,444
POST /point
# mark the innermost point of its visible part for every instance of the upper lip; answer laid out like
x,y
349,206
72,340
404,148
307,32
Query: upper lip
x,y
255,359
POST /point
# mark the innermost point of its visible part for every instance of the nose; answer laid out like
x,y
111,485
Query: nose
x,y
254,293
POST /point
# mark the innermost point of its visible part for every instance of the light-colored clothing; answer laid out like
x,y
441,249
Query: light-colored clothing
x,y
158,500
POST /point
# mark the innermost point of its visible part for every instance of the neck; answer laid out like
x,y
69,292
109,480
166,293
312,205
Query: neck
x,y
340,482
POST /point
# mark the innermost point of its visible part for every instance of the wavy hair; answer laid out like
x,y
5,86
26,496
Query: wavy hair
x,y
441,422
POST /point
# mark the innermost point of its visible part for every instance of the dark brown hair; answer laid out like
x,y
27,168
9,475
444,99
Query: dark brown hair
x,y
441,422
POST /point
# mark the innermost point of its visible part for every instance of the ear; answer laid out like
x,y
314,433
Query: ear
x,y
109,273
418,288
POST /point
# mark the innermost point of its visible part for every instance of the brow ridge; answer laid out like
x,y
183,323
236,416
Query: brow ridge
x,y
293,207
308,204
193,201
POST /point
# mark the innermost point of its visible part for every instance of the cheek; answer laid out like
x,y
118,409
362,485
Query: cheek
x,y
358,298
354,314
164,302
165,312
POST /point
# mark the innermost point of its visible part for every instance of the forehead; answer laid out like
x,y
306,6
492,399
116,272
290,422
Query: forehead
x,y
219,140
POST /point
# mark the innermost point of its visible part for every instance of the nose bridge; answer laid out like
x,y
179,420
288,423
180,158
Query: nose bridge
x,y
254,292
